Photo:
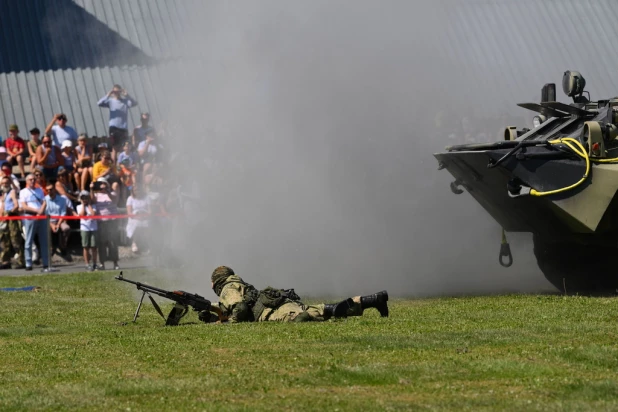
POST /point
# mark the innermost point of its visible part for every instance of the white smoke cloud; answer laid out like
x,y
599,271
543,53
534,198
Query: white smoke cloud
x,y
310,132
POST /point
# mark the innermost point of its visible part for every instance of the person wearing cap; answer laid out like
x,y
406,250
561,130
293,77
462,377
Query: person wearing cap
x,y
59,130
84,161
119,102
106,202
139,133
33,144
69,160
15,147
88,229
32,203
49,157
56,205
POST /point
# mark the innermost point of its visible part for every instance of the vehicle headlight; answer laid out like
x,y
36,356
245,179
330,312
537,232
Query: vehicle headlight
x,y
538,120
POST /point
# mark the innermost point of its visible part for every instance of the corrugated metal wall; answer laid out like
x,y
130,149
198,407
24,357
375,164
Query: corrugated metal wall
x,y
63,55
513,47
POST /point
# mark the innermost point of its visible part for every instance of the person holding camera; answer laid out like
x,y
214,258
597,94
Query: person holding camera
x,y
106,202
59,131
118,102
107,169
88,229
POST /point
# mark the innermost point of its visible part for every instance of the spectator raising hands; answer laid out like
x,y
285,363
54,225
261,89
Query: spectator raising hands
x,y
59,130
119,102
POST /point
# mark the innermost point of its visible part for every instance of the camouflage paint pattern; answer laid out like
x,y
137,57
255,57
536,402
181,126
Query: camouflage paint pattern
x,y
11,241
231,300
290,310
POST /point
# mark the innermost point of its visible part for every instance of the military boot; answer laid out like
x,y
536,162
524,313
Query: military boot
x,y
337,310
378,301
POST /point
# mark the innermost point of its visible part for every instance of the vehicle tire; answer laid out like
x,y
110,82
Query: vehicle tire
x,y
578,268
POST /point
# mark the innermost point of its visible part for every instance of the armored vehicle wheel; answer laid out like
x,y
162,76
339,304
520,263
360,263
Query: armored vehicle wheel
x,y
582,269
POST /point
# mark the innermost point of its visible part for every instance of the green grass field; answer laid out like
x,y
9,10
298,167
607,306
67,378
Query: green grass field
x,y
68,347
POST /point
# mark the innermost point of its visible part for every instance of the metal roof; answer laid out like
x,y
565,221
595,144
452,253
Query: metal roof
x,y
63,55
513,47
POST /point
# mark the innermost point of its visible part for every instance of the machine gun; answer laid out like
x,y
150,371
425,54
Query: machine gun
x,y
183,301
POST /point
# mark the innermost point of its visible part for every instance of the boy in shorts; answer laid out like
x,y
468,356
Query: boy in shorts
x,y
88,228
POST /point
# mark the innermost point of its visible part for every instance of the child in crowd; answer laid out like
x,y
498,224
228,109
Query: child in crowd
x,y
127,177
33,144
88,228
69,161
84,162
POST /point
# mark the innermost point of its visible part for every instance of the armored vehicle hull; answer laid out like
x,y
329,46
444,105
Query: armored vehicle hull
x,y
558,181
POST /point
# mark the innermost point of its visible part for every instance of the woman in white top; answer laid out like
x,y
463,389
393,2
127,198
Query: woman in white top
x,y
137,228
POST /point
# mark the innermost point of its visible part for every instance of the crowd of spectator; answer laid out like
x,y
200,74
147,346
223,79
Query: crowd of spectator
x,y
70,177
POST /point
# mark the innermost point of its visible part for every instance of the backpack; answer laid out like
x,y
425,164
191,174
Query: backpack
x,y
272,298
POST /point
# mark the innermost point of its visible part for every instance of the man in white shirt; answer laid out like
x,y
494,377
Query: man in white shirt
x,y
32,202
60,131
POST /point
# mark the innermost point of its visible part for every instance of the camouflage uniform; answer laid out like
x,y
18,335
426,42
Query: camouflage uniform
x,y
232,299
11,241
290,310
237,300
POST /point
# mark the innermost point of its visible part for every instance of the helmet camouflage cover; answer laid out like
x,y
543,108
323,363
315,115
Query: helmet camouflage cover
x,y
218,277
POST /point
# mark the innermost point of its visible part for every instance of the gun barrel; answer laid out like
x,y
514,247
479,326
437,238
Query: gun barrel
x,y
143,286
196,301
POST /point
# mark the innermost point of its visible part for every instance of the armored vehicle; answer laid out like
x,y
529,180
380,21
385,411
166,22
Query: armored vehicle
x,y
557,180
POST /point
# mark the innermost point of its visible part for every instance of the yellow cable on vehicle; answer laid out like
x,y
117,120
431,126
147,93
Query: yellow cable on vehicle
x,y
567,142
600,160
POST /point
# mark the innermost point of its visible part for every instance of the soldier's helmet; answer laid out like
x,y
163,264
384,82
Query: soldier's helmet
x,y
221,273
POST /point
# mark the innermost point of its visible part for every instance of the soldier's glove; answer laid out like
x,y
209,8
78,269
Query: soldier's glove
x,y
207,317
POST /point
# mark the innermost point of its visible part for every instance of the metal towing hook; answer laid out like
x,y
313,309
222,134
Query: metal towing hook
x,y
505,251
455,186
